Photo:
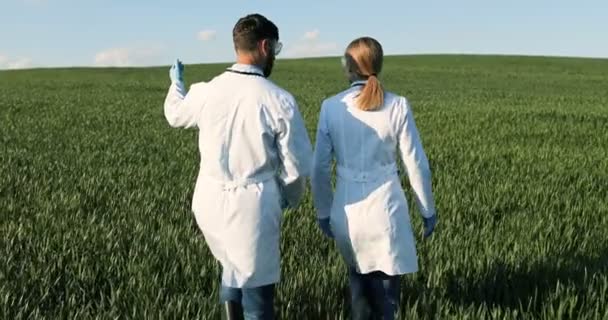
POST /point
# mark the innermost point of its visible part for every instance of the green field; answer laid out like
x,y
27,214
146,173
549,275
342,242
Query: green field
x,y
95,191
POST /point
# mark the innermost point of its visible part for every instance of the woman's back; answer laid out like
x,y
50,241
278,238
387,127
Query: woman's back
x,y
363,128
368,211
364,142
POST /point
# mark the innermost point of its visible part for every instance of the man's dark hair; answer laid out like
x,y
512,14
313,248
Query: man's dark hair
x,y
252,28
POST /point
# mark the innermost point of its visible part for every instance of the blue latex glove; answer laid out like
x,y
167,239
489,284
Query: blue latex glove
x,y
325,227
284,204
429,225
176,73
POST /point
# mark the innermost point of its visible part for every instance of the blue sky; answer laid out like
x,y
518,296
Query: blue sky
x,y
49,33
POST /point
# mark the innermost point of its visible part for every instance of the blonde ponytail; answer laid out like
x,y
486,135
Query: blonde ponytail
x,y
372,95
363,58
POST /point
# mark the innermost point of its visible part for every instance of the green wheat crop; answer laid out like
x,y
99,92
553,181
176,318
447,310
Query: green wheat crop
x,y
95,193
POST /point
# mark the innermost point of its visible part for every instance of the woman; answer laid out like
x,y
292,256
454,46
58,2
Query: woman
x,y
363,128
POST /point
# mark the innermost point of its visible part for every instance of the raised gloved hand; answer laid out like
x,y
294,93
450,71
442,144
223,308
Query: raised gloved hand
x,y
176,73
429,225
325,227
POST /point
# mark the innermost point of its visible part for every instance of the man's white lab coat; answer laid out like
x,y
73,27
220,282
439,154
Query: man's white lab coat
x,y
255,153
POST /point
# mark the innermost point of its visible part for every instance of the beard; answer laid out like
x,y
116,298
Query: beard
x,y
268,66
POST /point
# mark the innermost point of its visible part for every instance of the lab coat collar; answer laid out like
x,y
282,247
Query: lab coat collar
x,y
358,83
247,68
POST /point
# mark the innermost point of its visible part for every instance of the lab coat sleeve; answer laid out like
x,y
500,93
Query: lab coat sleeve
x,y
295,152
182,108
321,172
415,162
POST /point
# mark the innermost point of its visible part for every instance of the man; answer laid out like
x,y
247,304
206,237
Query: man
x,y
255,157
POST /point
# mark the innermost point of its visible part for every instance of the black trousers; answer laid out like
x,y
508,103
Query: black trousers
x,y
374,295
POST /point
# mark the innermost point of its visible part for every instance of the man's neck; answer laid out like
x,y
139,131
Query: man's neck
x,y
247,59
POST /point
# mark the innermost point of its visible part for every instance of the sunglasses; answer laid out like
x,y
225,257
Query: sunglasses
x,y
277,46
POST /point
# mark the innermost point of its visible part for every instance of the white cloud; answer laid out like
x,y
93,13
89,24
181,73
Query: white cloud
x,y
310,45
127,56
316,49
20,63
206,35
118,57
311,35
15,63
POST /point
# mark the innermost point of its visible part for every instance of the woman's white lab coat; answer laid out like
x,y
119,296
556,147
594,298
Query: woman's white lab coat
x,y
255,153
368,211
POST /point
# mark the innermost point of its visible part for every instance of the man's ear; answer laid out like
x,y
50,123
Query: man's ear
x,y
264,47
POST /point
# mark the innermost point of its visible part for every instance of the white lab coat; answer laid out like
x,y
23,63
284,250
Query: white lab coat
x,y
255,153
368,211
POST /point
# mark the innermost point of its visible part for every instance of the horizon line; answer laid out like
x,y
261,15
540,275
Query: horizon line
x,y
391,55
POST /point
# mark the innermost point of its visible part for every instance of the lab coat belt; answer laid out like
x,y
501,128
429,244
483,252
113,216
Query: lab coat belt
x,y
368,175
237,183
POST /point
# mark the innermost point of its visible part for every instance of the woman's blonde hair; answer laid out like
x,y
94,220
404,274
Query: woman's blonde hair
x,y
364,57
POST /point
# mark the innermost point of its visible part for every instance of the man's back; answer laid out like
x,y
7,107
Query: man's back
x,y
240,117
255,157
255,152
